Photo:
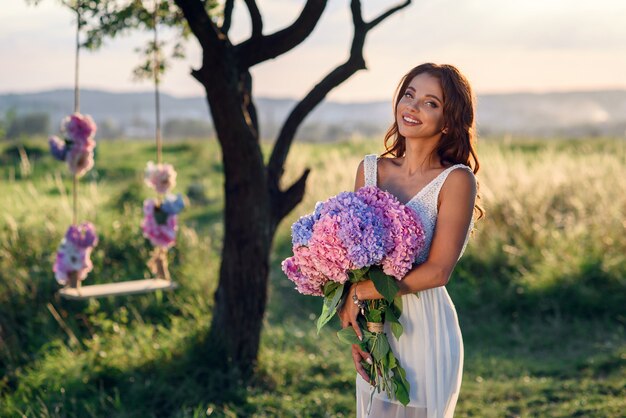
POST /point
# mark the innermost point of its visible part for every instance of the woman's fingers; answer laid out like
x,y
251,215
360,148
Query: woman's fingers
x,y
356,327
356,356
364,354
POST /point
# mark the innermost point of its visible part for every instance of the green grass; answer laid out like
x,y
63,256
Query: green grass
x,y
539,292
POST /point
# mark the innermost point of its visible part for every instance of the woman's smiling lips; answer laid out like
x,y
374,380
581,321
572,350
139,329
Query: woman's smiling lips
x,y
410,120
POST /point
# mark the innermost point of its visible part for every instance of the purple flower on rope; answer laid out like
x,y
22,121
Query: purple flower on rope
x,y
74,253
57,147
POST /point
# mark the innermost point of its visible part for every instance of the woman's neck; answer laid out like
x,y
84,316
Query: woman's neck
x,y
420,156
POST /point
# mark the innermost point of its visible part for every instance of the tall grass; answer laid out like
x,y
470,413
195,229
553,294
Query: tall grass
x,y
540,290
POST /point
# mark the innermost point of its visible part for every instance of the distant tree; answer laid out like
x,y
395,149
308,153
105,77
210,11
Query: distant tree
x,y
187,128
108,129
255,200
28,125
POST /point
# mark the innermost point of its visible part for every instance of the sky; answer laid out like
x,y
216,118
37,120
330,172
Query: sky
x,y
502,46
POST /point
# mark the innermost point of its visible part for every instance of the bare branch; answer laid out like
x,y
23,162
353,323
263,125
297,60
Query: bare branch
x,y
388,13
284,202
261,48
337,76
255,16
228,15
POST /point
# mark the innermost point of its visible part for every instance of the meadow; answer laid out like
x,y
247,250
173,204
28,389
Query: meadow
x,y
540,291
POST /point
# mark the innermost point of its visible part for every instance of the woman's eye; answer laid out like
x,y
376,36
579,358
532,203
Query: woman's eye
x,y
432,104
407,94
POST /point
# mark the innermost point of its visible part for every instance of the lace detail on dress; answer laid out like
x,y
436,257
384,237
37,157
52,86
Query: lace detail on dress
x,y
370,163
425,204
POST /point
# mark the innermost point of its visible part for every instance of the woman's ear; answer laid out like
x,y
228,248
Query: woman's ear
x,y
444,131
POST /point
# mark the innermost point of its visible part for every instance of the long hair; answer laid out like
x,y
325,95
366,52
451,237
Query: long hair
x,y
457,145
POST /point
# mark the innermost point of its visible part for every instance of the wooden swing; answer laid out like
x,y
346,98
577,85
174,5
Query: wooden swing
x,y
158,263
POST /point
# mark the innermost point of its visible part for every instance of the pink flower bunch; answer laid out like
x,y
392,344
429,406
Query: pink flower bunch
x,y
352,231
77,148
161,177
73,255
159,226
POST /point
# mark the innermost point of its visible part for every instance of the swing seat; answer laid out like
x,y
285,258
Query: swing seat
x,y
131,287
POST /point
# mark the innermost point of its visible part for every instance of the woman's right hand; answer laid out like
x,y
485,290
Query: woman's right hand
x,y
357,356
348,315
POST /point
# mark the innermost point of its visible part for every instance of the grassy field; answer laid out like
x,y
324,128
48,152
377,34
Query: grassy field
x,y
540,291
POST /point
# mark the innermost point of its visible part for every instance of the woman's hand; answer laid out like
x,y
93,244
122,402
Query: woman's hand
x,y
357,356
349,312
348,315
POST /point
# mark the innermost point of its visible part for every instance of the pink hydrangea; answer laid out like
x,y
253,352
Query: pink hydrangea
x,y
159,227
77,148
79,160
161,177
80,129
74,253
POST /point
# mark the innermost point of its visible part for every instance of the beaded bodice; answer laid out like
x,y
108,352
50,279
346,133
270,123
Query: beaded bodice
x,y
424,203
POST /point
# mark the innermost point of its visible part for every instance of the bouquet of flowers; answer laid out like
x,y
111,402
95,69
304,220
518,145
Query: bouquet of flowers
x,y
73,261
348,238
76,149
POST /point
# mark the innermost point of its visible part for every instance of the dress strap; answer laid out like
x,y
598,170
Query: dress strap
x,y
370,163
444,175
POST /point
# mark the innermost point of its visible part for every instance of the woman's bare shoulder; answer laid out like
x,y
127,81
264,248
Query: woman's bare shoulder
x,y
460,180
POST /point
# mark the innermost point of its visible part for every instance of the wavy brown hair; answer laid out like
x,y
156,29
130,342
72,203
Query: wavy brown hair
x,y
457,145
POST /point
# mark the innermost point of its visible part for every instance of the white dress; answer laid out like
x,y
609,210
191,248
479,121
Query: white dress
x,y
431,347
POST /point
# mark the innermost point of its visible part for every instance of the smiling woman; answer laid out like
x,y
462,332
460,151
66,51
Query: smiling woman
x,y
431,167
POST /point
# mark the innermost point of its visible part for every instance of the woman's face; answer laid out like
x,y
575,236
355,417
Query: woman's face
x,y
419,113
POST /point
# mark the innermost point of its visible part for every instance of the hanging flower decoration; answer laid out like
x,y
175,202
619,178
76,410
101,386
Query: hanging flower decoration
x,y
76,149
160,222
160,177
73,261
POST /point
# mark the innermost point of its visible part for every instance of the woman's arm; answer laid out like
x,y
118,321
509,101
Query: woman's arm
x,y
456,206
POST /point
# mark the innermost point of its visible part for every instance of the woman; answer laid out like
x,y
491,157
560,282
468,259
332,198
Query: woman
x,y
430,167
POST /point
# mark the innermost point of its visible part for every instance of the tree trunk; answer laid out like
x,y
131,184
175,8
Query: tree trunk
x,y
241,295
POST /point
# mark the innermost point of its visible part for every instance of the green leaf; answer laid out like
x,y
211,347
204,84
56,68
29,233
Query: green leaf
x,y
386,285
348,336
391,359
329,287
396,329
394,322
330,306
380,348
374,315
397,306
358,275
402,391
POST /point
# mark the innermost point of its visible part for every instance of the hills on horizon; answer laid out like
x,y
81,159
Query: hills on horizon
x,y
564,114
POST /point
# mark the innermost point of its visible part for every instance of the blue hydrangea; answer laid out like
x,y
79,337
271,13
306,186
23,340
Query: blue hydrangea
x,y
360,230
172,204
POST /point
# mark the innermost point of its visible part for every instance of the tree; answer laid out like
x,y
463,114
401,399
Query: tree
x,y
255,200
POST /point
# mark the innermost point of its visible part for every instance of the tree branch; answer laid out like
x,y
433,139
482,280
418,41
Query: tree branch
x,y
289,199
388,13
261,48
208,34
341,73
228,15
255,17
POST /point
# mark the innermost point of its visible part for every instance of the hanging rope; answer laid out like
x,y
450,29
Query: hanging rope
x,y
76,109
156,68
